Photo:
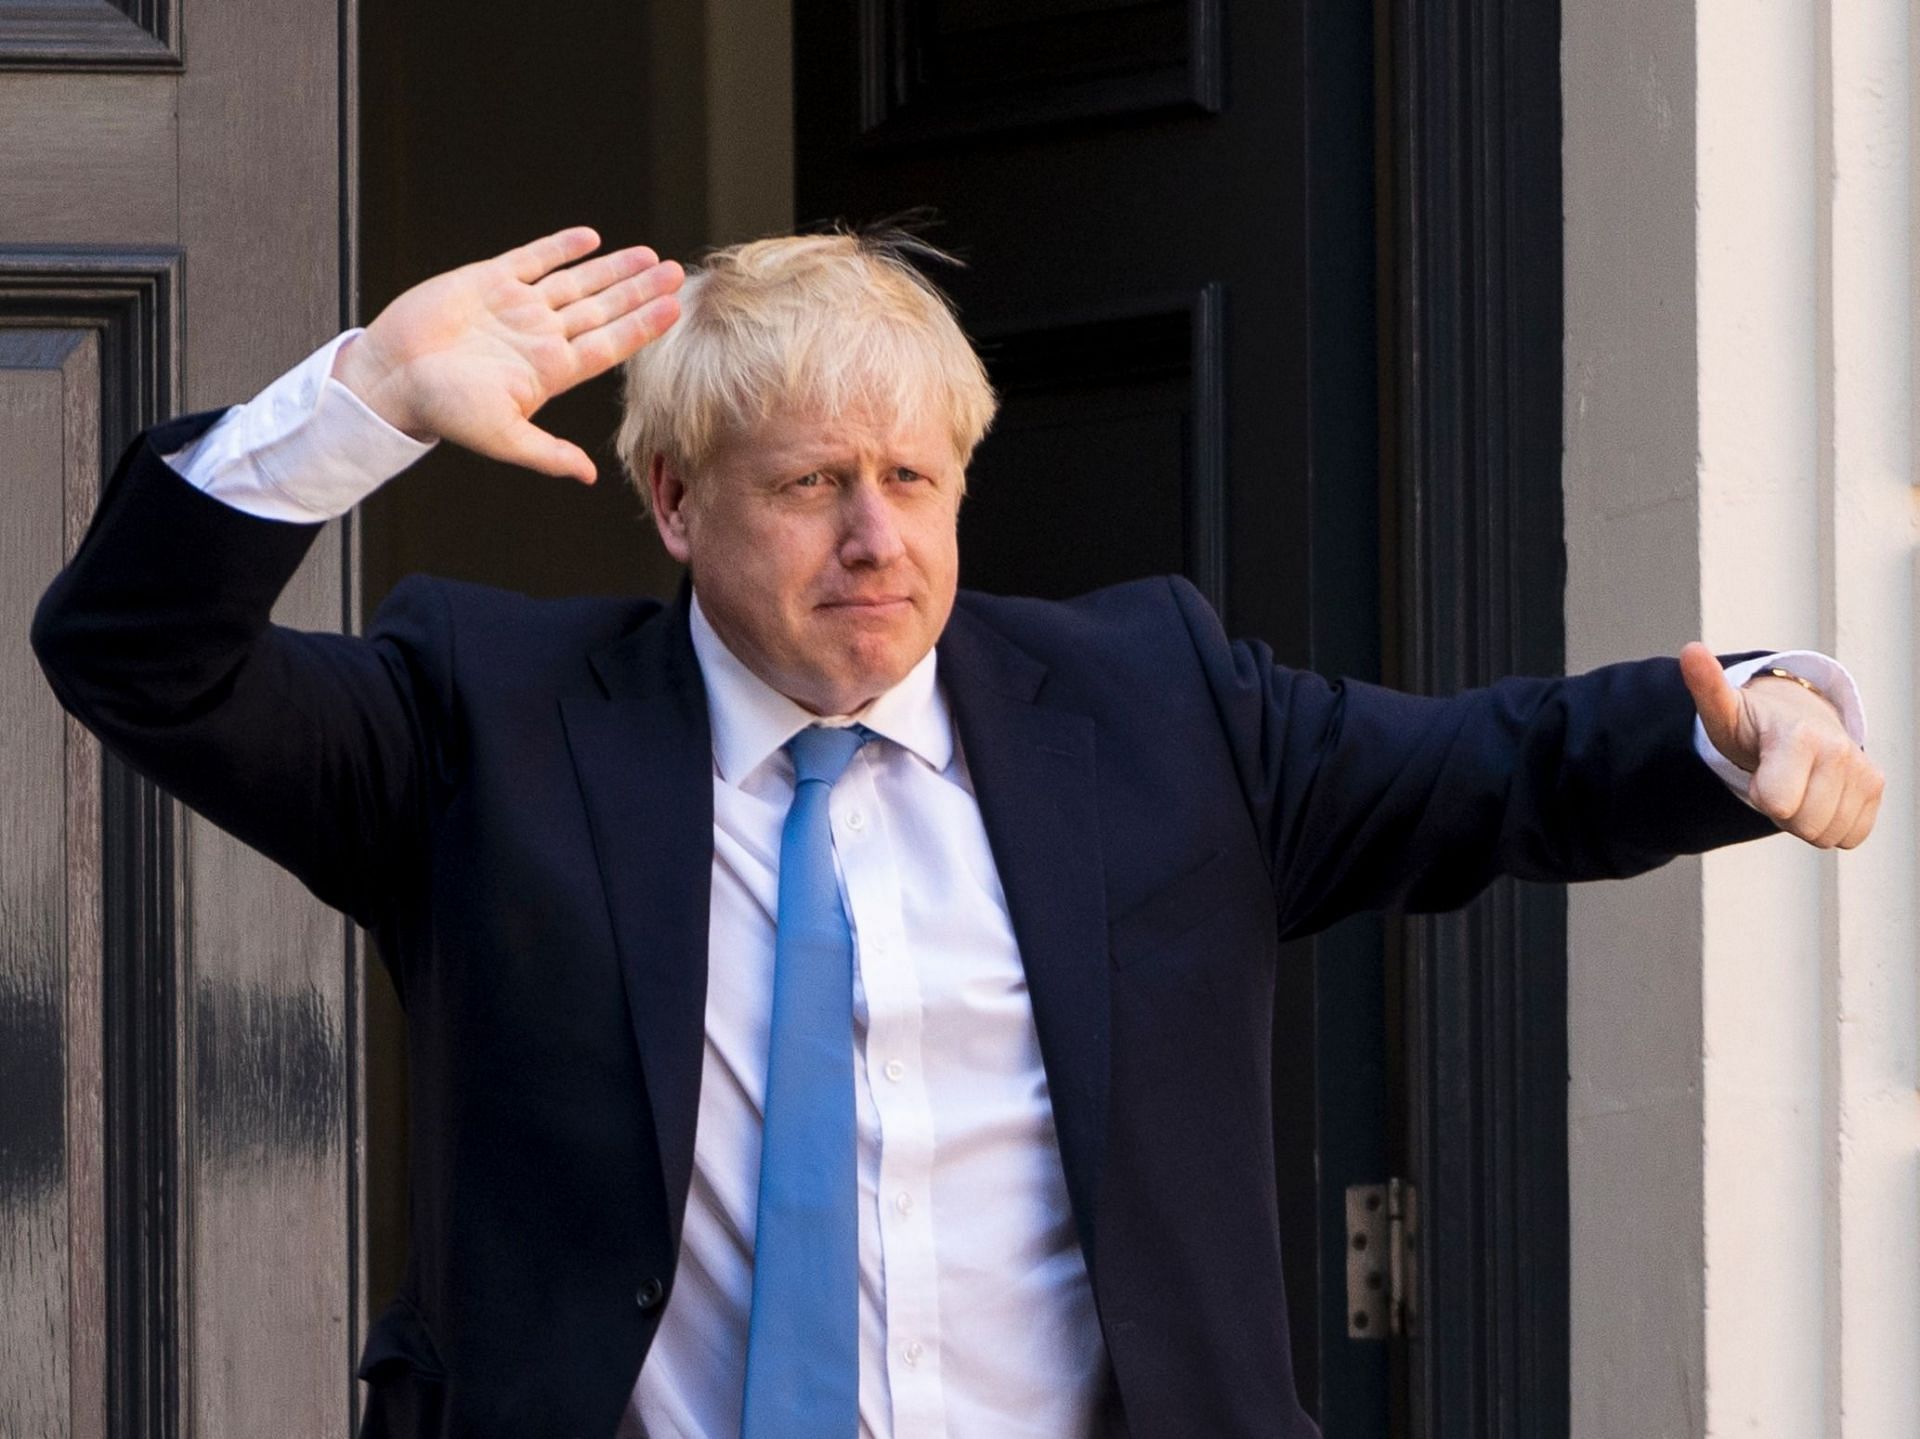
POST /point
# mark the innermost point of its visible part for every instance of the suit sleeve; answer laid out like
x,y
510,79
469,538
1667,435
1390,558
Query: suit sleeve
x,y
1368,798
323,751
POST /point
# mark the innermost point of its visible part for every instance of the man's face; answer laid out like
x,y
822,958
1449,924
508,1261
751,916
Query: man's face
x,y
823,549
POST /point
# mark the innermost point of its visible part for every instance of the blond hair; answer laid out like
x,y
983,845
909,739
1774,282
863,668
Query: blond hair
x,y
810,324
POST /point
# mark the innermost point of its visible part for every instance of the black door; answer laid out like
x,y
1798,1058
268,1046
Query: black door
x,y
1169,232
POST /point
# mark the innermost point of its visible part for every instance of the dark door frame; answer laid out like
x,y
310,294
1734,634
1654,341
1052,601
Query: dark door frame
x,y
1442,366
1473,388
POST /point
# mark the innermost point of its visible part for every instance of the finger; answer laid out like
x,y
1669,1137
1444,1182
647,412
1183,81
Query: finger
x,y
1826,791
563,287
1713,697
610,304
532,448
602,349
1779,784
1853,799
529,262
1863,824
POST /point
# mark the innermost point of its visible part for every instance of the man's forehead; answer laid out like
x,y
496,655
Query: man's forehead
x,y
792,435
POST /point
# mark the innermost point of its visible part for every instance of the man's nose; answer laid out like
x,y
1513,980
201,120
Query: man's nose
x,y
871,534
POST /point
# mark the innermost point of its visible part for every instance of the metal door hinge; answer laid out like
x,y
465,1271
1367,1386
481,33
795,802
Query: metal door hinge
x,y
1383,1247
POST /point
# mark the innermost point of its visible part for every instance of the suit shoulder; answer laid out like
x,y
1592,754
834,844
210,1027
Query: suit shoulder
x,y
1123,614
1138,634
493,625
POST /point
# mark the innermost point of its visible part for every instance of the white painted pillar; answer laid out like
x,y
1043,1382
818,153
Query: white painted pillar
x,y
1745,1030
1764,1018
1870,517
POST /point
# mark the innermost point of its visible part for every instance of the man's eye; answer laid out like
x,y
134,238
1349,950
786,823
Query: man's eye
x,y
907,475
812,480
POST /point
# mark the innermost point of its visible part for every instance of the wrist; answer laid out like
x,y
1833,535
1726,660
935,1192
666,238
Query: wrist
x,y
1774,676
363,369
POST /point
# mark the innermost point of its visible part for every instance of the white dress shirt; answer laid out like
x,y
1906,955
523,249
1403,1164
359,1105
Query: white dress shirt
x,y
976,1315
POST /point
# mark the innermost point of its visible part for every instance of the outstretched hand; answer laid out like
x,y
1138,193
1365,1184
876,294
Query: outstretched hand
x,y
470,355
1805,773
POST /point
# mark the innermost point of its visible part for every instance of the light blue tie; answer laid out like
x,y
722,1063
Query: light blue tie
x,y
803,1340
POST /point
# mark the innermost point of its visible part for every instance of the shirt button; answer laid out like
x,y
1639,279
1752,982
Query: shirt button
x,y
913,1351
903,1202
856,819
896,1071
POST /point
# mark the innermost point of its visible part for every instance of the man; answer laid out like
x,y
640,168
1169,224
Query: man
x,y
836,1005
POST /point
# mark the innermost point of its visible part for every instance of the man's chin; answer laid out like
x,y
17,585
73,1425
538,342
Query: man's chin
x,y
872,676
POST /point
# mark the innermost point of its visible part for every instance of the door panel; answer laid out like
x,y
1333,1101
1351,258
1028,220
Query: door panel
x,y
1109,430
178,1018
969,68
69,143
91,35
88,352
50,1209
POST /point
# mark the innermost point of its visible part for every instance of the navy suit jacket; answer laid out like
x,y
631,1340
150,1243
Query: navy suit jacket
x,y
515,797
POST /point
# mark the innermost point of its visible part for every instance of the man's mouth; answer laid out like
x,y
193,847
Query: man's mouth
x,y
874,603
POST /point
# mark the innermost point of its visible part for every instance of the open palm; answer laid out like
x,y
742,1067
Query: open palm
x,y
470,355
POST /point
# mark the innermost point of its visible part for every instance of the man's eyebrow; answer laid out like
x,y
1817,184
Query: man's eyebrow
x,y
805,457
827,456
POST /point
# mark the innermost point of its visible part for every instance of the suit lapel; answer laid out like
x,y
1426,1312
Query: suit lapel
x,y
1034,777
644,759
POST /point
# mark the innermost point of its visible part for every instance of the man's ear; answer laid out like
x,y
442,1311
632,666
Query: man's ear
x,y
668,491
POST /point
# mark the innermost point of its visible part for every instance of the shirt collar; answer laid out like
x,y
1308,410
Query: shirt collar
x,y
752,721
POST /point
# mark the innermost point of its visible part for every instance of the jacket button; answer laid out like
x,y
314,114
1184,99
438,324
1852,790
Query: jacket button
x,y
650,1294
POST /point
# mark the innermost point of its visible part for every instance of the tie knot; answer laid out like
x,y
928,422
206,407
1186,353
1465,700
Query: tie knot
x,y
823,753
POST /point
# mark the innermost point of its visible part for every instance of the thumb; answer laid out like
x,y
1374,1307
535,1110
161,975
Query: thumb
x,y
533,448
1713,697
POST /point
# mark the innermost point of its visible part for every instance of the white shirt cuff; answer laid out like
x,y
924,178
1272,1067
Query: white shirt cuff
x,y
1823,671
305,449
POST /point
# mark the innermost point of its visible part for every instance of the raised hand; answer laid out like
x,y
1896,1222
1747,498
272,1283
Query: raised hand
x,y
1805,772
470,355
